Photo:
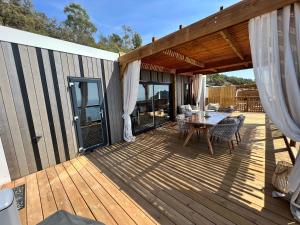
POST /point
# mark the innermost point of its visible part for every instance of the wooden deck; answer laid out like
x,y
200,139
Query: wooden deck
x,y
156,181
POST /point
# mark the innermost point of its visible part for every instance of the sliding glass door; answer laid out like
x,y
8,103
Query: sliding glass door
x,y
152,108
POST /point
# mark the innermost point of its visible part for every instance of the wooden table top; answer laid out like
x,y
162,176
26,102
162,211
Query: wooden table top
x,y
213,119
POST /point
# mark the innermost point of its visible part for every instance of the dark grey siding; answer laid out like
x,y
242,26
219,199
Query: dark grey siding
x,y
110,72
35,101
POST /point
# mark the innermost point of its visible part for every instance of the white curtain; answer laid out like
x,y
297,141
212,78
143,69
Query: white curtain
x,y
196,85
130,93
202,91
275,47
199,90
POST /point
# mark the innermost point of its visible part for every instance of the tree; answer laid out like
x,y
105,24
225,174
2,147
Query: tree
x,y
77,27
128,41
79,24
220,80
136,40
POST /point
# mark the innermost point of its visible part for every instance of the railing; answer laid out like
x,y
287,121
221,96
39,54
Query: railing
x,y
249,104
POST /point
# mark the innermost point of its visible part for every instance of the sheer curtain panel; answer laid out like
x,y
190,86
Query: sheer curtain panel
x,y
275,46
199,90
130,93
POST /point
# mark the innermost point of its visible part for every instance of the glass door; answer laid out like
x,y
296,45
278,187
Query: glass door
x,y
89,112
161,102
152,108
142,116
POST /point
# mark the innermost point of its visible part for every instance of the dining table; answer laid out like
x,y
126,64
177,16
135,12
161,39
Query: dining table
x,y
204,121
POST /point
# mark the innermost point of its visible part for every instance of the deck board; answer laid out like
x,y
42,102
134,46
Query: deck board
x,y
61,199
33,201
157,181
46,195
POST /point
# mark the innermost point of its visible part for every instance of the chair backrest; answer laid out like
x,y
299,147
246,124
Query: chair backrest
x,y
230,120
226,130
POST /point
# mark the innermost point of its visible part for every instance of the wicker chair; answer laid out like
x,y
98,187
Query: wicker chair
x,y
182,125
225,131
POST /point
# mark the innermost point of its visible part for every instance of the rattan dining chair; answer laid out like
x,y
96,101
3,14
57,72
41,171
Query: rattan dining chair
x,y
225,131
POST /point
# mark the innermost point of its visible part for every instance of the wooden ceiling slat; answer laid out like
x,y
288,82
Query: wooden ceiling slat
x,y
183,58
157,68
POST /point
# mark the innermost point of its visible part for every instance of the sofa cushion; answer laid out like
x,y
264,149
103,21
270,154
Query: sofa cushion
x,y
213,106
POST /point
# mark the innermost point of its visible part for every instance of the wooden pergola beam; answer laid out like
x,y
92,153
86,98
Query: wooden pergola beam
x,y
232,43
182,58
238,13
215,69
157,68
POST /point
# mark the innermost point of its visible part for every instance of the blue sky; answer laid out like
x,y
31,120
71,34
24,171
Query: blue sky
x,y
149,18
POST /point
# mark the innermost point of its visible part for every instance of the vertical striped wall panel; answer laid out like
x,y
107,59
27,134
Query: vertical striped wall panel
x,y
36,114
110,73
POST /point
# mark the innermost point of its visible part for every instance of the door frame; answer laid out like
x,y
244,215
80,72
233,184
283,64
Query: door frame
x,y
101,93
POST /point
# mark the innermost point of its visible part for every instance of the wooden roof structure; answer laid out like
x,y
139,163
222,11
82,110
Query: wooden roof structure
x,y
218,43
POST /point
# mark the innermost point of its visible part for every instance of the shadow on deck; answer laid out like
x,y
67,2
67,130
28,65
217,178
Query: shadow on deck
x,y
156,180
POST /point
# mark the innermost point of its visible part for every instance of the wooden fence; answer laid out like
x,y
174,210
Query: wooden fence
x,y
226,96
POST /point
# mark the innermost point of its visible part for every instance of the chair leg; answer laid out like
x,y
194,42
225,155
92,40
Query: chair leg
x,y
213,140
229,145
185,133
232,143
237,138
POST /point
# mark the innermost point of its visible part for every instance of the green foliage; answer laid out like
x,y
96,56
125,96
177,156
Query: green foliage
x,y
77,27
116,43
137,40
220,80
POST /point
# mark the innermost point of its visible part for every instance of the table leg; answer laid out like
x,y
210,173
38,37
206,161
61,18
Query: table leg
x,y
190,134
208,141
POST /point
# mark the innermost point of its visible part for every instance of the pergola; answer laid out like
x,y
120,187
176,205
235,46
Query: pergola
x,y
218,43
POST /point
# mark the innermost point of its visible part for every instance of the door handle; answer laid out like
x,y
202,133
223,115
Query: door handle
x,y
101,113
